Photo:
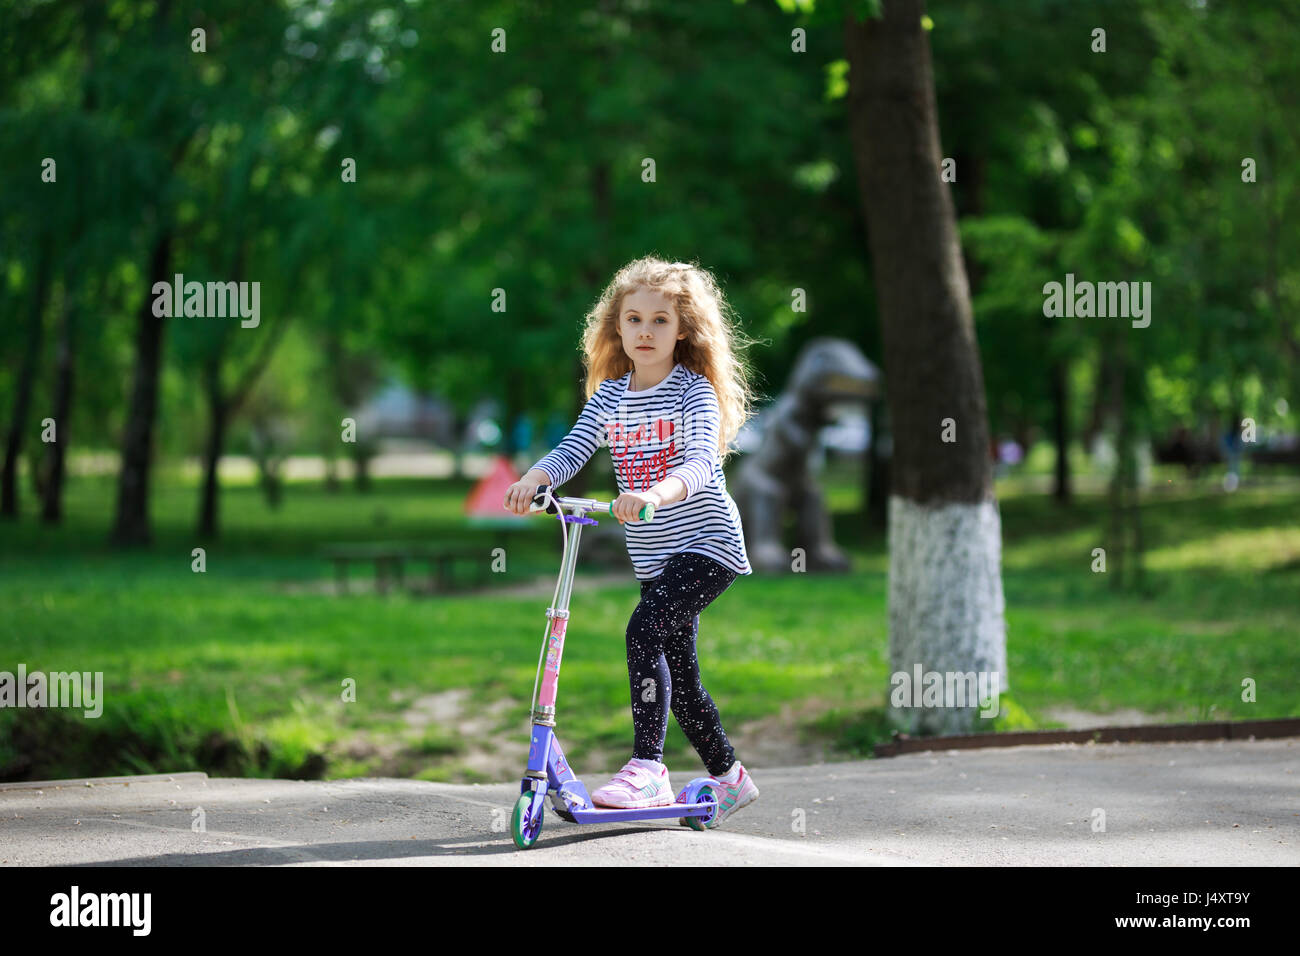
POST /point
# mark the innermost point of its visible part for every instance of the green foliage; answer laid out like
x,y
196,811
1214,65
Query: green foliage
x,y
1127,166
522,171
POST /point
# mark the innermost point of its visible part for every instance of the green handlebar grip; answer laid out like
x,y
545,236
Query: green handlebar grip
x,y
647,511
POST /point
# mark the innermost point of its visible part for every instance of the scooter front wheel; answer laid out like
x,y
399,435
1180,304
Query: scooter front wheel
x,y
525,824
705,794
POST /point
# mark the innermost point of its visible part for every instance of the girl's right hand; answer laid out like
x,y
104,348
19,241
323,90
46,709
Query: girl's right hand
x,y
519,496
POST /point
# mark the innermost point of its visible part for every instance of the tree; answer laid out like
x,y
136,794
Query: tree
x,y
945,584
146,53
40,291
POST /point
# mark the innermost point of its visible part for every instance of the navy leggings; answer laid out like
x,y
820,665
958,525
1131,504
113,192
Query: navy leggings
x,y
661,664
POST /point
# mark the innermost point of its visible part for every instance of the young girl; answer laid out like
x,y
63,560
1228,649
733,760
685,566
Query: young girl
x,y
666,395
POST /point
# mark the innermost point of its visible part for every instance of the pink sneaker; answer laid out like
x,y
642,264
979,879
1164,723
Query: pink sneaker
x,y
635,786
731,796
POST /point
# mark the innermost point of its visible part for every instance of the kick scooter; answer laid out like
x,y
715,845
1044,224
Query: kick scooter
x,y
548,773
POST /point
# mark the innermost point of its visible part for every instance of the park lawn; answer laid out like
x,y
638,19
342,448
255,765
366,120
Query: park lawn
x,y
242,669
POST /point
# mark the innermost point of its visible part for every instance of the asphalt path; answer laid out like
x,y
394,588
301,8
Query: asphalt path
x,y
1211,803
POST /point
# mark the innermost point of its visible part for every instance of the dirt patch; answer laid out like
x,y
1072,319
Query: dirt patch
x,y
446,731
493,749
454,709
441,708
776,741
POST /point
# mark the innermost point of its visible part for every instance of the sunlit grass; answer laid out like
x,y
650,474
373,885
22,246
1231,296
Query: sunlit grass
x,y
232,672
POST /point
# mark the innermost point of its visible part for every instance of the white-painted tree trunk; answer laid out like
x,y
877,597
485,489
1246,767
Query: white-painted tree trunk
x,y
946,610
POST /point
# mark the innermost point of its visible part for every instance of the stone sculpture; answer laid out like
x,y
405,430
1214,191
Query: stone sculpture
x,y
778,477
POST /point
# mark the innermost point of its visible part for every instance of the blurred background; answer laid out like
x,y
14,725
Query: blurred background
x,y
432,194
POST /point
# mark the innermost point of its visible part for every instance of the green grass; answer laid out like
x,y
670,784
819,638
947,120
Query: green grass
x,y
240,670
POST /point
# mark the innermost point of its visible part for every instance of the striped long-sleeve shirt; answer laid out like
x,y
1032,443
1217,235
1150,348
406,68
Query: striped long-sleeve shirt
x,y
667,429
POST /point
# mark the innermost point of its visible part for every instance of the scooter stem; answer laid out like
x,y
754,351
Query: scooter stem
x,y
571,511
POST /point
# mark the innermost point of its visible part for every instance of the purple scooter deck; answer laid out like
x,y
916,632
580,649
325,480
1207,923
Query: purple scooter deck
x,y
612,814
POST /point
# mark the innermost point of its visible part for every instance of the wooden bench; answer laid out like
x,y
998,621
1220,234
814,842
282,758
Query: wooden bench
x,y
389,560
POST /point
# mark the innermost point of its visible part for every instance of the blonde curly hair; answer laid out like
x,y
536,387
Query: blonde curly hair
x,y
710,348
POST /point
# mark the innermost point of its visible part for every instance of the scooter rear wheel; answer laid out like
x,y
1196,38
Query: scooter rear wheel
x,y
526,824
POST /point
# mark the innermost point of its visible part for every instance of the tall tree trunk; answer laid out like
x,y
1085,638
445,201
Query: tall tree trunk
x,y
331,469
268,468
945,601
361,455
1130,489
1060,431
1124,553
55,451
224,405
26,380
1100,398
55,466
131,526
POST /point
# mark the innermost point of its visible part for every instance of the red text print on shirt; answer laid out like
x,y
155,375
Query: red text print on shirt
x,y
640,468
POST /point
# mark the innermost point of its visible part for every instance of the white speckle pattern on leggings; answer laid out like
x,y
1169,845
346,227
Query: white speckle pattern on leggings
x,y
661,646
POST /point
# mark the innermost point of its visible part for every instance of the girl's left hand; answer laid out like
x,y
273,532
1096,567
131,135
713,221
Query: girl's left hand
x,y
628,506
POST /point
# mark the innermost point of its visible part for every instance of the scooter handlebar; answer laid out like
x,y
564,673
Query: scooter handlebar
x,y
540,503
